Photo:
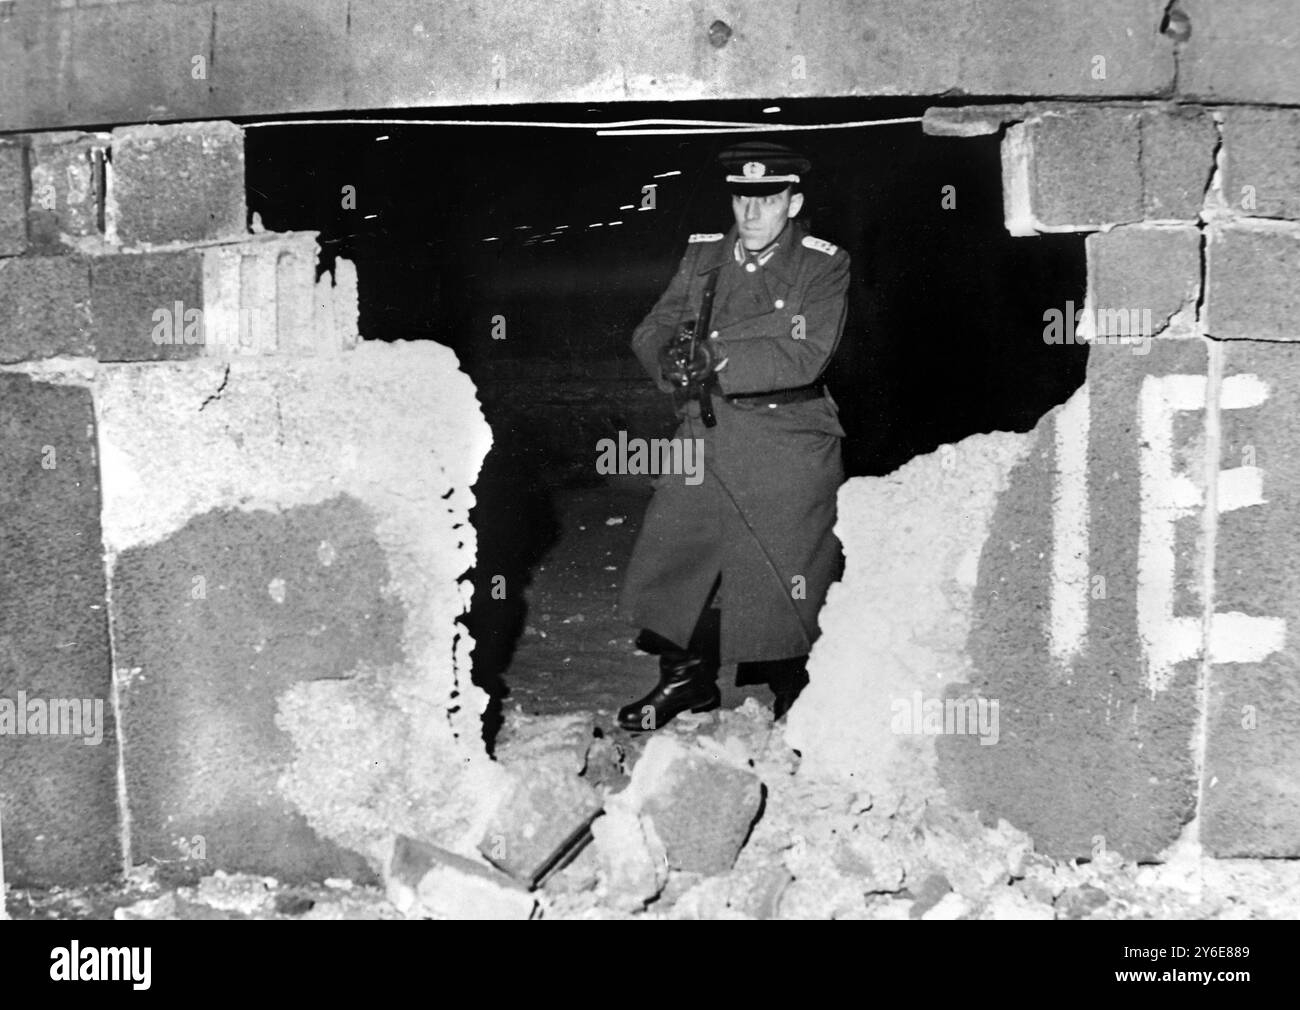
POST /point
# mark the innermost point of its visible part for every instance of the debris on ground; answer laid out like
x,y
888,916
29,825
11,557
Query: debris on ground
x,y
710,818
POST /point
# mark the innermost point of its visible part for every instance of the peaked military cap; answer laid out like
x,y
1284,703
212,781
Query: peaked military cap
x,y
758,167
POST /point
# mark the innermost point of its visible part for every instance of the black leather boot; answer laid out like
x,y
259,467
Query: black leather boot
x,y
686,681
786,677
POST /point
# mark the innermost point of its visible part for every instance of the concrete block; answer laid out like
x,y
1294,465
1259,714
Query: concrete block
x,y
13,199
632,861
1072,169
261,296
546,804
912,543
701,807
1261,162
143,304
1088,616
67,173
1251,267
970,120
44,308
425,881
1143,280
1241,52
1251,787
59,789
1177,161
212,624
307,493
180,183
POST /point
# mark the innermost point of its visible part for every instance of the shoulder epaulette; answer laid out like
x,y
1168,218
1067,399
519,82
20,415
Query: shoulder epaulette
x,y
705,237
821,245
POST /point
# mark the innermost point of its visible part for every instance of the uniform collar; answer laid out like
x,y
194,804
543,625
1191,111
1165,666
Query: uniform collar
x,y
780,262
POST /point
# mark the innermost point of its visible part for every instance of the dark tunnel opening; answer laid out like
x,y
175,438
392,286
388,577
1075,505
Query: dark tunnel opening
x,y
533,252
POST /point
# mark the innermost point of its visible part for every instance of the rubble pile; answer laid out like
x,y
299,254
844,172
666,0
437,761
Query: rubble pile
x,y
712,818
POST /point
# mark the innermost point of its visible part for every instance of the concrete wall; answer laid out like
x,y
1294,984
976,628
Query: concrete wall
x,y
266,518
250,553
83,62
1133,609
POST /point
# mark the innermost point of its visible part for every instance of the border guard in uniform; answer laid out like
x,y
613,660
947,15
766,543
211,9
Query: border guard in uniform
x,y
734,569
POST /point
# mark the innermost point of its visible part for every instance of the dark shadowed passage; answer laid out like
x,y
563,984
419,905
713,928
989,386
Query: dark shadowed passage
x,y
533,252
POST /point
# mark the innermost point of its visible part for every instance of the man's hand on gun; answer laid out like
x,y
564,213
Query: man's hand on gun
x,y
685,362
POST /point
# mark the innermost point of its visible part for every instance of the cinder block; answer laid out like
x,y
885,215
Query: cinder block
x,y
426,881
1072,169
213,624
1251,271
1261,161
633,865
146,305
66,185
1095,666
1177,161
540,812
13,199
1251,782
44,307
58,790
969,120
701,807
262,296
1241,52
1142,276
181,183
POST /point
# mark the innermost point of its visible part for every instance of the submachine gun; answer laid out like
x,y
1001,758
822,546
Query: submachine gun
x,y
685,346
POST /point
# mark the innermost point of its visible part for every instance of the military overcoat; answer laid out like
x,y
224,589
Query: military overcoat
x,y
763,515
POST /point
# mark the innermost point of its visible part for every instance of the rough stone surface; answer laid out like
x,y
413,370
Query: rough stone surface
x,y
44,308
127,292
425,881
182,183
1088,613
58,792
970,120
1261,161
631,857
64,65
1241,52
1177,160
66,186
1251,788
1073,169
262,296
547,803
1250,281
374,749
701,805
1152,272
13,199
912,544
210,626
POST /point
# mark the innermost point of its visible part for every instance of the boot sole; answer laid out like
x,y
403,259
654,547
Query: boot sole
x,y
708,706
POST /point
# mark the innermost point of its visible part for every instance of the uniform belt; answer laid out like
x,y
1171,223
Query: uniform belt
x,y
778,397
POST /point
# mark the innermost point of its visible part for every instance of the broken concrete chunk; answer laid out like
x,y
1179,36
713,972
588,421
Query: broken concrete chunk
x,y
547,803
970,120
633,867
701,805
425,881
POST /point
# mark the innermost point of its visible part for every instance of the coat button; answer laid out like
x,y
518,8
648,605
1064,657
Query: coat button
x,y
780,303
713,335
750,267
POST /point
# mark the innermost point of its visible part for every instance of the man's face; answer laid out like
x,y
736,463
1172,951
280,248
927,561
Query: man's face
x,y
761,218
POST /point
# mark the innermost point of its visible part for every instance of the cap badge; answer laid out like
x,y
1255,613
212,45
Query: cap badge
x,y
754,170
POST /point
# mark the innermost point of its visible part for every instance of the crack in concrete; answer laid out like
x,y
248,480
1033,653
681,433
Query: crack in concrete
x,y
220,389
